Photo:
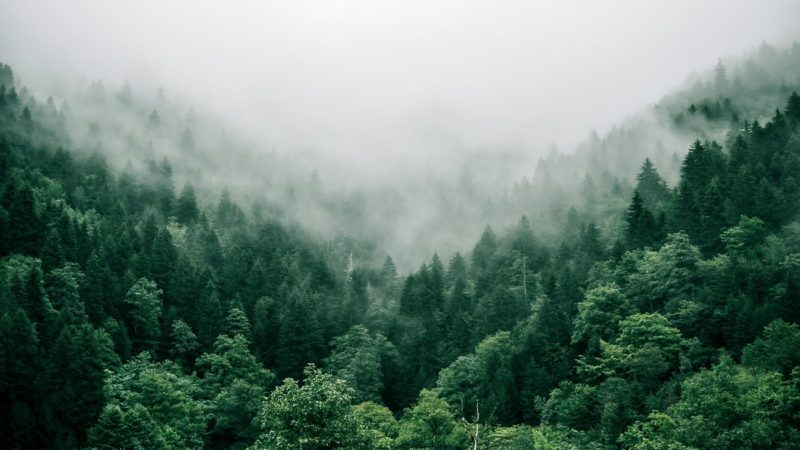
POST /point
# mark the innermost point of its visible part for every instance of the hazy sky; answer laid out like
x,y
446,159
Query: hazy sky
x,y
375,78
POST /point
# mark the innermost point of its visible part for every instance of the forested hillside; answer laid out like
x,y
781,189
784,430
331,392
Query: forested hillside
x,y
136,312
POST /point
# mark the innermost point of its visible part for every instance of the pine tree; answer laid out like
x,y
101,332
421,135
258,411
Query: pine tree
x,y
184,343
793,108
484,250
388,272
26,230
641,225
300,340
651,187
20,366
186,210
79,359
236,323
208,316
144,300
700,166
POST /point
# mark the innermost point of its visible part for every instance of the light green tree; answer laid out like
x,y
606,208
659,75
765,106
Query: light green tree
x,y
144,299
429,424
315,416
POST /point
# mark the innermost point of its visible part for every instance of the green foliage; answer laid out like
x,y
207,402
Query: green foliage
x,y
20,364
430,424
722,408
777,349
587,326
599,315
316,415
300,339
186,206
157,401
236,323
81,355
130,429
144,298
184,343
667,277
378,424
236,383
483,381
362,360
642,229
647,349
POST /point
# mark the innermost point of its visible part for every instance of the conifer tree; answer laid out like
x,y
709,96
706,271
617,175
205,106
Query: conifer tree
x,y
641,225
186,206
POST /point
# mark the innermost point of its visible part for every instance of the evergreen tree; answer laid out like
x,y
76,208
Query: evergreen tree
x,y
641,229
184,343
145,303
651,187
236,323
20,366
300,339
793,108
186,210
208,316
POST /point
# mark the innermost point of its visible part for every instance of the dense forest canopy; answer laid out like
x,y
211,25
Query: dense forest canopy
x,y
640,293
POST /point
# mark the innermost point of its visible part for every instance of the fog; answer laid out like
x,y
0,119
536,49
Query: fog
x,y
383,81
424,121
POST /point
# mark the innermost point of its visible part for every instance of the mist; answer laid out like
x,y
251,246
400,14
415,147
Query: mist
x,y
408,124
377,83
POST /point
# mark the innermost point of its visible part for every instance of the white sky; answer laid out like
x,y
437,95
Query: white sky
x,y
382,77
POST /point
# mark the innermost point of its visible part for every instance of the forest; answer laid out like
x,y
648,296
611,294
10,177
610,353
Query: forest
x,y
650,302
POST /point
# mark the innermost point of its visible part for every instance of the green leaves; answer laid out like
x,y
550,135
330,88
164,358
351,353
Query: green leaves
x,y
154,402
144,298
316,415
430,424
722,408
648,348
361,359
777,349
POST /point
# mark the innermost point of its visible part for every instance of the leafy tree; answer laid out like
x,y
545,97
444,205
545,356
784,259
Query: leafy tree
x,y
378,423
647,350
722,408
666,277
777,349
316,415
430,424
130,429
484,382
599,315
154,402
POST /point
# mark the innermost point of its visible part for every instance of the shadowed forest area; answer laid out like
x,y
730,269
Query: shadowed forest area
x,y
641,292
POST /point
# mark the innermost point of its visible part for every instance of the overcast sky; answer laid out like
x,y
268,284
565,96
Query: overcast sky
x,y
378,77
